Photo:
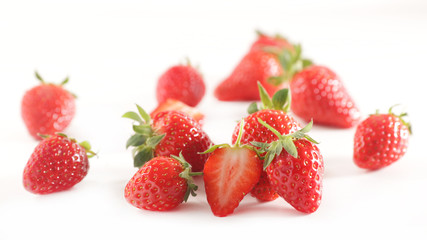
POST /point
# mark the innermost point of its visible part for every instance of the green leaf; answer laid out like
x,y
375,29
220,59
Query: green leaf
x,y
65,81
153,141
253,108
39,77
280,99
143,114
136,140
261,145
143,156
289,146
133,116
306,63
265,98
144,129
86,145
214,147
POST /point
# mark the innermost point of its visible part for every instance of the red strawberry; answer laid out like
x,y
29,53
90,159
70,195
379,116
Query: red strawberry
x,y
381,140
169,133
47,108
57,164
229,174
274,113
183,83
257,65
269,41
161,184
319,94
172,104
296,174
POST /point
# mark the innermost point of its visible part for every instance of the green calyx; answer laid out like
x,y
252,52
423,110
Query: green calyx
x,y
401,116
281,100
85,144
145,139
65,81
187,174
285,142
290,60
236,144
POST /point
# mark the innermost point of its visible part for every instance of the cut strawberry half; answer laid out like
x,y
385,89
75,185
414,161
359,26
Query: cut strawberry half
x,y
173,104
229,174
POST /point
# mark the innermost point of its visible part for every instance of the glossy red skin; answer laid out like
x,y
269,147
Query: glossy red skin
x,y
228,180
255,131
379,141
319,94
157,186
242,84
56,164
47,109
299,180
182,133
172,104
183,83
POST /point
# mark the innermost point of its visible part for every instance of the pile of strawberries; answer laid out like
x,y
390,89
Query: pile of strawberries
x,y
271,154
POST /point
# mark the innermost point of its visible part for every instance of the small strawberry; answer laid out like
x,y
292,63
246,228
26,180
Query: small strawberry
x,y
172,104
168,133
161,184
319,94
47,108
256,65
57,164
273,111
183,83
229,174
381,140
296,174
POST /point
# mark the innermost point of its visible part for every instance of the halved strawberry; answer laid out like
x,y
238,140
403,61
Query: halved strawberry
x,y
173,104
229,174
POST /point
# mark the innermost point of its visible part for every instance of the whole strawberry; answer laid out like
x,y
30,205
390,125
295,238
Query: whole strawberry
x,y
229,174
161,184
183,83
381,140
168,133
47,108
172,104
319,94
57,164
256,66
294,167
274,112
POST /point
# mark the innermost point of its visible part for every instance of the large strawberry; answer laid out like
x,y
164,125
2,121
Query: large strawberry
x,y
381,140
161,184
168,133
319,94
229,174
294,167
183,83
173,104
256,65
47,108
57,164
273,111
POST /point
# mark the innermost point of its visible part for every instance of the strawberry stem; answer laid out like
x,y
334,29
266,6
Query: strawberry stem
x,y
239,136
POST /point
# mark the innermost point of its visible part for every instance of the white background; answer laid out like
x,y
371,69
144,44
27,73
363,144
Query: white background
x,y
114,51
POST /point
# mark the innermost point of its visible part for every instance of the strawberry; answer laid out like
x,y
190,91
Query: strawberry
x,y
256,65
172,104
319,94
296,174
264,41
57,164
168,133
183,83
161,184
229,174
273,111
381,140
47,108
